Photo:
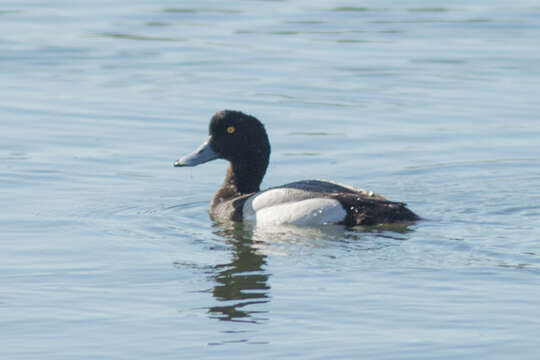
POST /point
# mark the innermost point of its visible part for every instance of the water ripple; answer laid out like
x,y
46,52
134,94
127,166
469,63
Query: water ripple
x,y
140,37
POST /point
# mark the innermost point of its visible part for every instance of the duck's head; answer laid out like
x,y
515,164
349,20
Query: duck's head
x,y
233,136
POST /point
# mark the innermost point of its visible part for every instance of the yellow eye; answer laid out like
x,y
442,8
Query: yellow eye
x,y
231,129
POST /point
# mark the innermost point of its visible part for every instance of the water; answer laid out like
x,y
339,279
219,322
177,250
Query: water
x,y
107,251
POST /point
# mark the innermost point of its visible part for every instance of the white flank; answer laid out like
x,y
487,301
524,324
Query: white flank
x,y
292,206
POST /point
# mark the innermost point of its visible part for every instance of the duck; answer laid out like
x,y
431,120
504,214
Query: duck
x,y
241,139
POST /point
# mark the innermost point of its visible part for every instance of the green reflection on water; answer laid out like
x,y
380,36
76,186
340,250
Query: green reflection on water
x,y
242,282
139,37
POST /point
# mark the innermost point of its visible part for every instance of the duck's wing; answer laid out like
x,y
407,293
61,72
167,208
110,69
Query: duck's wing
x,y
330,187
312,202
367,211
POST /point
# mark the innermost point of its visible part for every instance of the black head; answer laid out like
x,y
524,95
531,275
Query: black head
x,y
237,137
240,139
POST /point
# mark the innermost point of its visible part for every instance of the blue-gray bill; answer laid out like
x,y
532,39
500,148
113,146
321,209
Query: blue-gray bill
x,y
204,153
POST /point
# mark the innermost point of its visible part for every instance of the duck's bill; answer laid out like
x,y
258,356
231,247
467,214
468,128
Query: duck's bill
x,y
204,153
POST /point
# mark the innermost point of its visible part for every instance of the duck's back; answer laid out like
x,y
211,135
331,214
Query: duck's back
x,y
312,202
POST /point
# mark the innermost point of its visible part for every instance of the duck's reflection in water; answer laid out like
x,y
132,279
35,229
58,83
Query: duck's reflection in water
x,y
242,284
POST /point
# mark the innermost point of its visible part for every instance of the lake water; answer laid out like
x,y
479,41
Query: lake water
x,y
107,251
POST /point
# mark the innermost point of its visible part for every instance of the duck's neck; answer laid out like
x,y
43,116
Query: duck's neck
x,y
241,179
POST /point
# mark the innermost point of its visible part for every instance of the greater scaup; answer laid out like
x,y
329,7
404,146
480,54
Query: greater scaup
x,y
241,139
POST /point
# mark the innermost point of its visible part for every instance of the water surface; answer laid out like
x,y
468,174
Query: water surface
x,y
107,251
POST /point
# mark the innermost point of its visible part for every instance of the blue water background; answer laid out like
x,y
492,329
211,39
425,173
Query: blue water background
x,y
107,251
